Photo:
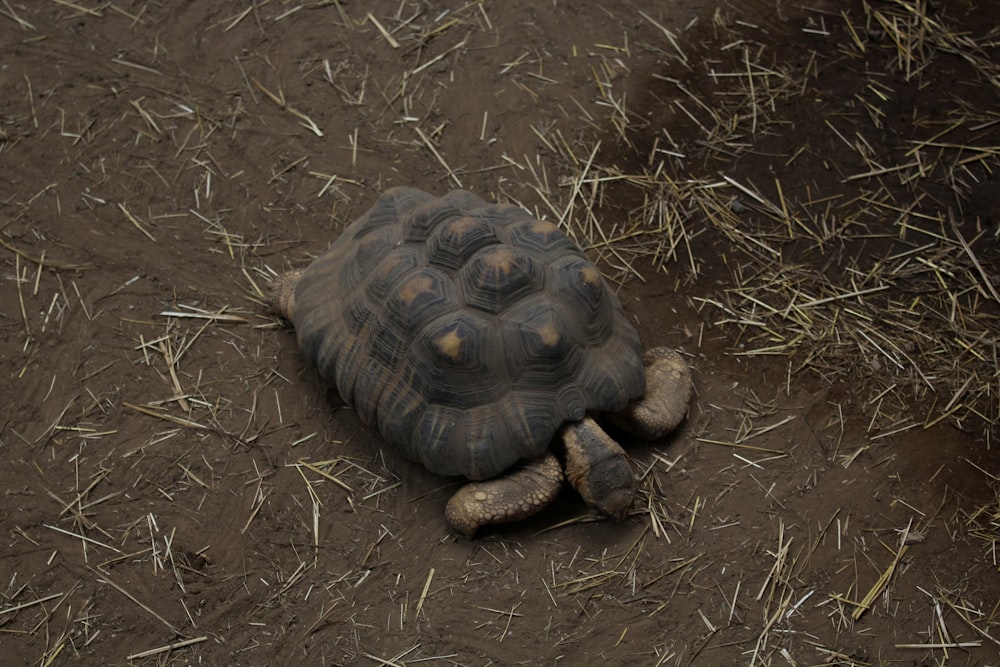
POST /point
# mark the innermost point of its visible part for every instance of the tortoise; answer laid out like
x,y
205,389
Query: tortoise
x,y
471,334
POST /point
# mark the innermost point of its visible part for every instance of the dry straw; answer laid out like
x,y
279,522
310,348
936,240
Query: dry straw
x,y
915,314
872,274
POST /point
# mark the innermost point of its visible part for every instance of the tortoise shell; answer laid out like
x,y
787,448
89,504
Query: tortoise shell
x,y
466,332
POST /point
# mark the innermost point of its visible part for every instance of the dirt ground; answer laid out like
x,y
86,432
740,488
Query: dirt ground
x,y
180,489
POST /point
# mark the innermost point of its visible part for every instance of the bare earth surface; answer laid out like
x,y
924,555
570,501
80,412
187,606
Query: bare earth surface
x,y
178,488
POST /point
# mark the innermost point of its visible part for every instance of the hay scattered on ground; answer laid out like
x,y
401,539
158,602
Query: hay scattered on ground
x,y
864,271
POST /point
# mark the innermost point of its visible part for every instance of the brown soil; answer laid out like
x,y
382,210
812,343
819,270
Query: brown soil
x,y
174,475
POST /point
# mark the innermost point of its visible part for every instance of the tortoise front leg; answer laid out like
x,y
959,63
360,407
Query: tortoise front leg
x,y
598,469
511,497
665,404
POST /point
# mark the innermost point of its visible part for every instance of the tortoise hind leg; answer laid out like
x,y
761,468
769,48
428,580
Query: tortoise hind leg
x,y
281,297
511,497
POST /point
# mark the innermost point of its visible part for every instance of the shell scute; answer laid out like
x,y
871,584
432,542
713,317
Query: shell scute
x,y
499,276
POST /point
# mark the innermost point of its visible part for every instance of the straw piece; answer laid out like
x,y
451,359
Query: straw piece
x,y
385,33
434,151
167,648
44,262
105,578
423,593
880,584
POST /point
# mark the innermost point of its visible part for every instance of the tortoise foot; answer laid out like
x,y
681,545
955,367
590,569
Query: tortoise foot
x,y
281,297
512,497
598,469
668,393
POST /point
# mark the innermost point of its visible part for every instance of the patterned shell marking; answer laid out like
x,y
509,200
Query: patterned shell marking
x,y
466,332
